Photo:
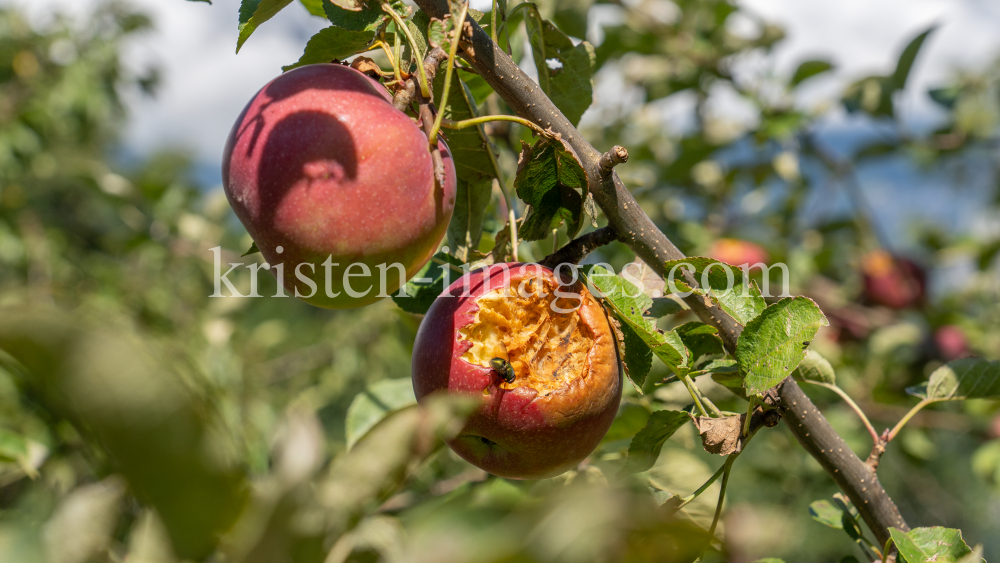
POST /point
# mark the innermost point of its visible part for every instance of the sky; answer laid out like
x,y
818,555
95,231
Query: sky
x,y
207,83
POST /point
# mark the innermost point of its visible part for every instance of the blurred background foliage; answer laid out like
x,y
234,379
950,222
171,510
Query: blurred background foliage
x,y
142,420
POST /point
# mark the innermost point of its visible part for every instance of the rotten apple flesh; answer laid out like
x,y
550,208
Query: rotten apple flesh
x,y
566,384
336,185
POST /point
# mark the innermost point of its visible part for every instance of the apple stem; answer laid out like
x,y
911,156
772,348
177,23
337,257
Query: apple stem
x,y
487,118
459,25
424,87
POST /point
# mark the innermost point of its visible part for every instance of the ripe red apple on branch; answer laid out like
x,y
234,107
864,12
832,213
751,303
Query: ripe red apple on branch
x,y
566,385
336,185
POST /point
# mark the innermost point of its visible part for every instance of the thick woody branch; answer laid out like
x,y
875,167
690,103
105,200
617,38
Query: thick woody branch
x,y
578,248
855,477
647,241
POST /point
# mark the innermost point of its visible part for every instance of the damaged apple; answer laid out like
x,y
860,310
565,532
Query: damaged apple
x,y
538,350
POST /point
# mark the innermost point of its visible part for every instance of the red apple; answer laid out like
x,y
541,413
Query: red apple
x,y
566,383
951,342
321,168
737,252
892,281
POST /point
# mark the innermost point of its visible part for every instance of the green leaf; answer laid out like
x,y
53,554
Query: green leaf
x,y
808,69
638,357
769,560
967,378
548,177
252,250
315,7
908,56
774,343
646,445
700,339
255,12
725,286
627,302
663,306
430,281
824,512
368,17
732,380
926,545
815,367
946,97
332,43
375,403
631,419
473,155
466,226
558,206
568,86
13,446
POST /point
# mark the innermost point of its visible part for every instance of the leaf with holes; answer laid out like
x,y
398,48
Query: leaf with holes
x,y
564,69
646,445
774,343
549,175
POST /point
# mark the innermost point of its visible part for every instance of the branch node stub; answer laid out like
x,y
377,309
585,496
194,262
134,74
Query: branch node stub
x,y
612,158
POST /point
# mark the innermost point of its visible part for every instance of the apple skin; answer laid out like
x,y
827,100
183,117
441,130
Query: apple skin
x,y
518,433
322,165
892,281
736,252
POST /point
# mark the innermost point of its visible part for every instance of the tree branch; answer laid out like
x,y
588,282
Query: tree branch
x,y
640,233
578,248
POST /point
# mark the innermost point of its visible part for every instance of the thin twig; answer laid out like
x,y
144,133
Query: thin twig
x,y
902,422
722,497
578,249
854,406
432,61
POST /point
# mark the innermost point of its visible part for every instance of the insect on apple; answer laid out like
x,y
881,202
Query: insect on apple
x,y
502,365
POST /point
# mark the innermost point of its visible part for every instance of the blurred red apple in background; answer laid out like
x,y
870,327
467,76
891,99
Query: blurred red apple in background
x,y
566,383
892,281
321,168
737,252
951,342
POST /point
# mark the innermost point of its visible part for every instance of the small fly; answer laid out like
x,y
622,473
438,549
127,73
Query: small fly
x,y
502,365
